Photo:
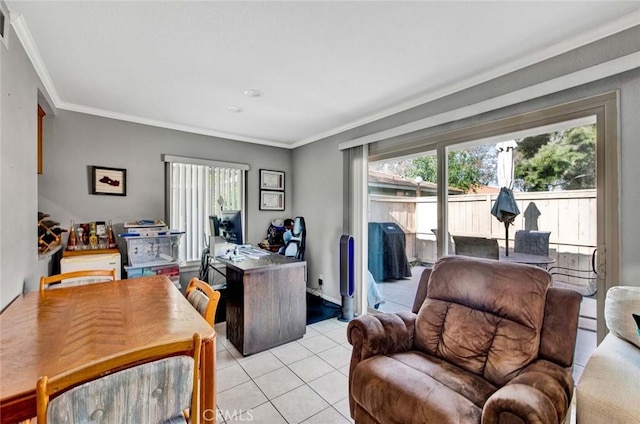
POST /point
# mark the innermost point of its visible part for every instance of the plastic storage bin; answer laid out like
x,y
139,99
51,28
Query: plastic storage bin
x,y
143,250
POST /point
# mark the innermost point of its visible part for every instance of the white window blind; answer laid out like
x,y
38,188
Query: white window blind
x,y
197,189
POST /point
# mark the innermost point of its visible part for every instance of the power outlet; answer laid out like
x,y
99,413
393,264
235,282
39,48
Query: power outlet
x,y
320,278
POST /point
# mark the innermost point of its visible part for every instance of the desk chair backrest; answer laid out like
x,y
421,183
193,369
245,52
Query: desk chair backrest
x,y
204,298
477,247
95,275
296,246
150,385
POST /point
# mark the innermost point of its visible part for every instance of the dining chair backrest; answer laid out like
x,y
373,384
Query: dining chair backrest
x,y
204,298
477,247
151,385
93,276
532,242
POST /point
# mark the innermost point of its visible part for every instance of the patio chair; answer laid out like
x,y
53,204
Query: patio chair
x,y
478,247
532,242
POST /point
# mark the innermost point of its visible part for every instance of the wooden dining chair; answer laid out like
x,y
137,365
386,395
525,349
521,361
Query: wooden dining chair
x,y
150,385
204,298
46,281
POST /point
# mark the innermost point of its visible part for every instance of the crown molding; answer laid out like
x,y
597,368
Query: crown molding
x,y
168,125
29,45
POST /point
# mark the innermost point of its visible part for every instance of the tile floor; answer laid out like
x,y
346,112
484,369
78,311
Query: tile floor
x,y
305,381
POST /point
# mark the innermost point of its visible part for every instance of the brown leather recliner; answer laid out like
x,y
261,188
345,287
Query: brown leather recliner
x,y
488,341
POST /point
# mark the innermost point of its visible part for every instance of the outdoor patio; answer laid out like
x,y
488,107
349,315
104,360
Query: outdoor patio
x,y
399,295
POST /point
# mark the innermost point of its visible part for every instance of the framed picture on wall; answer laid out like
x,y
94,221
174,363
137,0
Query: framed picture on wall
x,y
111,181
271,200
271,180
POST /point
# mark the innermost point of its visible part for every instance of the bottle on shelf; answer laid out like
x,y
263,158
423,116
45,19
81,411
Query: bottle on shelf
x,y
111,238
93,236
80,237
72,241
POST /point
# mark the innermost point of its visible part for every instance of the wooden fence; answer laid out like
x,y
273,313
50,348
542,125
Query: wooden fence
x,y
570,216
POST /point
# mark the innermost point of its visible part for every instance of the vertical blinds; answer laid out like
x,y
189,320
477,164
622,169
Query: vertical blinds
x,y
196,191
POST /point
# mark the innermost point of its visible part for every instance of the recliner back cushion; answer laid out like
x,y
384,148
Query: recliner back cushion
x,y
484,316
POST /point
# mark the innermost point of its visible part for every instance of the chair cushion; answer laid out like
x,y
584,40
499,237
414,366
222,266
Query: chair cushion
x,y
484,316
413,387
620,303
199,300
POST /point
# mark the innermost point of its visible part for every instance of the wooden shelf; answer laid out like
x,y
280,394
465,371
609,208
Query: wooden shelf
x,y
68,253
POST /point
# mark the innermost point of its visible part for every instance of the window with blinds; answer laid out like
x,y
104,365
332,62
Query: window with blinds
x,y
197,191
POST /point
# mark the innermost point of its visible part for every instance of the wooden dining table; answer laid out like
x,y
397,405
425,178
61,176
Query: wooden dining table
x,y
63,328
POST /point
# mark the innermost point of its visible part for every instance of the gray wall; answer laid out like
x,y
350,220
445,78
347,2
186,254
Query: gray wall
x,y
18,169
317,197
79,141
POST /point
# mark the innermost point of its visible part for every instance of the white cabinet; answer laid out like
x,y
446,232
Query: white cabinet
x,y
87,262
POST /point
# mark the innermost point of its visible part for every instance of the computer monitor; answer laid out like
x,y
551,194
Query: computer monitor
x,y
231,226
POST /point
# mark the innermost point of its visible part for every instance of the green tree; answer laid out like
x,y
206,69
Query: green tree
x,y
565,162
529,146
467,168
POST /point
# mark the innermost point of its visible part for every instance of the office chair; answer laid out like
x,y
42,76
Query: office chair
x,y
204,298
150,385
46,281
296,246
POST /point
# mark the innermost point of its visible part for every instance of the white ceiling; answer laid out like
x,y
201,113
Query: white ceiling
x,y
322,67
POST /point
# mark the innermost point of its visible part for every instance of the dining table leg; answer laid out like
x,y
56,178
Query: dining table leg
x,y
208,381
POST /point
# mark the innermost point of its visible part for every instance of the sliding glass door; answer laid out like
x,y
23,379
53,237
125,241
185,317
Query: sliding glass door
x,y
560,165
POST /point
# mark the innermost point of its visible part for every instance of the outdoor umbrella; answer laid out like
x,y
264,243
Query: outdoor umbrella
x,y
505,209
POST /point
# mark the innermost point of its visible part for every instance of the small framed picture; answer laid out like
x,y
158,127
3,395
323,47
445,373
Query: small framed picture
x,y
111,181
271,180
271,200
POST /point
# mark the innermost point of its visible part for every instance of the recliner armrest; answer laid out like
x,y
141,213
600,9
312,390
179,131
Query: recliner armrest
x,y
378,334
540,393
381,334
